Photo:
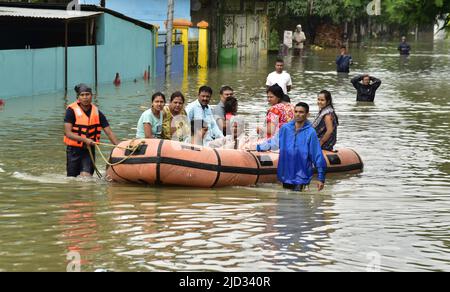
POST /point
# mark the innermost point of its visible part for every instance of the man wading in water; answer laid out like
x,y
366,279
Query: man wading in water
x,y
366,87
299,151
83,124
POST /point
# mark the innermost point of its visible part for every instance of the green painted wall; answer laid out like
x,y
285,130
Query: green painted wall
x,y
228,56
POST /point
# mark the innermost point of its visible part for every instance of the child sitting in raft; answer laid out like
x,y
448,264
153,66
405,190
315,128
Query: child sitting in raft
x,y
235,128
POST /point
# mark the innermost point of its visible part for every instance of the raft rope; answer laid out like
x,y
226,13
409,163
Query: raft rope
x,y
132,150
93,162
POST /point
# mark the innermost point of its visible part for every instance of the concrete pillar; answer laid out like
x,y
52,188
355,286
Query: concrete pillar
x,y
155,46
202,44
156,32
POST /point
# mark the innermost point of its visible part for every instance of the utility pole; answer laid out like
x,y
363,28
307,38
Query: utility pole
x,y
170,5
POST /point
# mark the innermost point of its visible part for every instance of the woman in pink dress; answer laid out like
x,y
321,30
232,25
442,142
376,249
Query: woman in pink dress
x,y
276,115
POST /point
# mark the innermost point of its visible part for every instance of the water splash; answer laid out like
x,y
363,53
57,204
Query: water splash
x,y
54,178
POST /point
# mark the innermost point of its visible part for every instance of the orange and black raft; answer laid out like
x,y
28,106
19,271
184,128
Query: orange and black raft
x,y
165,162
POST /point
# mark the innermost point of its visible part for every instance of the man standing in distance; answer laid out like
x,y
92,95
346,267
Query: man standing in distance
x,y
366,87
343,61
404,47
299,40
280,77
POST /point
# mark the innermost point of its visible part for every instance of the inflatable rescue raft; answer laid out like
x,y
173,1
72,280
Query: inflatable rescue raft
x,y
165,162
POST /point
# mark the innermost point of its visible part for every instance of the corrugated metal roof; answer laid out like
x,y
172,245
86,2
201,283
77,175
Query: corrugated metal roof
x,y
44,13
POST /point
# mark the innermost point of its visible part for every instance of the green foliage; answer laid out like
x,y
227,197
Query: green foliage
x,y
412,12
336,10
274,40
333,9
400,12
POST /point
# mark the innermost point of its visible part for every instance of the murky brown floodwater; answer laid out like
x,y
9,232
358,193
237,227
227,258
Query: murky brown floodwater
x,y
397,209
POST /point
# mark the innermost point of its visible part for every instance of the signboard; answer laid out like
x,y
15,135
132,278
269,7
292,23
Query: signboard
x,y
288,38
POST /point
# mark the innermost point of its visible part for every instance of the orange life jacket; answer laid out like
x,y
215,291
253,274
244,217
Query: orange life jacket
x,y
87,127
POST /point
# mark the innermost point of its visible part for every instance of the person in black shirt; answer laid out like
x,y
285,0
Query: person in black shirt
x,y
404,47
366,86
70,117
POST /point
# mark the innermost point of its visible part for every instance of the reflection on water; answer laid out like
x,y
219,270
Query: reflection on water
x,y
397,209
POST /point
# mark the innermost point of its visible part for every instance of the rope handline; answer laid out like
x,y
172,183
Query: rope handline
x,y
132,149
115,146
93,162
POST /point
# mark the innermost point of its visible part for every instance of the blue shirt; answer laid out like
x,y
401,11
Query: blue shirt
x,y
343,63
404,48
148,117
299,151
195,111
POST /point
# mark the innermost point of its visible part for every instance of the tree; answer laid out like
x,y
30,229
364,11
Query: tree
x,y
408,13
336,10
415,12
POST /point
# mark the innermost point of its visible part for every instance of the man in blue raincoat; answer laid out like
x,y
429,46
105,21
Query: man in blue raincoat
x,y
299,151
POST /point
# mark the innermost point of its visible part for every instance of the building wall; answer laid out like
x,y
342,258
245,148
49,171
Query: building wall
x,y
243,36
124,48
239,29
149,11
177,60
127,49
30,72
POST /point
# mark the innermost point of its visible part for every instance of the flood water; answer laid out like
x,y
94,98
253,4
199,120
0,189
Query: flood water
x,y
394,216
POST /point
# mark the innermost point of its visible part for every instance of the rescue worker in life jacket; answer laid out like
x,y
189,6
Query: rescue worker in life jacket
x,y
83,124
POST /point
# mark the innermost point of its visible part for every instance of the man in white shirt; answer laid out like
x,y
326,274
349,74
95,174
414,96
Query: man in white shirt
x,y
299,40
280,77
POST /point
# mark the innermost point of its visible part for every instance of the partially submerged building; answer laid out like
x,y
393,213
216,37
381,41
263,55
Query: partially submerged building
x,y
148,11
154,12
47,48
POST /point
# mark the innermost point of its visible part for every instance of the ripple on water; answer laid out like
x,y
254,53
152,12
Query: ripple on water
x,y
396,209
